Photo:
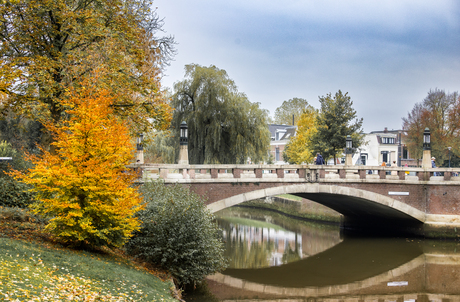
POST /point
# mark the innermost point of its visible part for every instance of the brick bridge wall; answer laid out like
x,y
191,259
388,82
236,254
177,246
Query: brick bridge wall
x,y
428,198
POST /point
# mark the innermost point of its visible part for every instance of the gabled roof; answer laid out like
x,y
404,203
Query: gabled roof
x,y
288,130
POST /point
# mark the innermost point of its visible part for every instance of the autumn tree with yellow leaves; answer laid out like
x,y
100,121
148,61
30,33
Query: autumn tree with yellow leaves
x,y
300,149
83,188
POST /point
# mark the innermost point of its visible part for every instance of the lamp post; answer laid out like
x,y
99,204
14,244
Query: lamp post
x,y
450,153
348,151
426,139
426,159
140,149
183,140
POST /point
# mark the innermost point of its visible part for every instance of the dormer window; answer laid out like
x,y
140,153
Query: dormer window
x,y
279,134
388,140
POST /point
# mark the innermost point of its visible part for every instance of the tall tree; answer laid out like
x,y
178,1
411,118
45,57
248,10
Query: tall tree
x,y
49,46
84,189
300,148
289,110
439,112
336,120
223,125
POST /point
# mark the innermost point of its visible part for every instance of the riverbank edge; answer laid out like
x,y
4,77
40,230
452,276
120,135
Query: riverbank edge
x,y
289,208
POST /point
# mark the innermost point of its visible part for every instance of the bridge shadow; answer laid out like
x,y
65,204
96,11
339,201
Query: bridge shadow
x,y
366,217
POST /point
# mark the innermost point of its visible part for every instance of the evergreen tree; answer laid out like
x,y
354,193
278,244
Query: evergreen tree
x,y
336,120
223,125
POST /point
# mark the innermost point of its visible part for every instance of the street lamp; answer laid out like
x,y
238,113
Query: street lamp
x,y
183,134
450,148
140,139
183,140
348,145
426,139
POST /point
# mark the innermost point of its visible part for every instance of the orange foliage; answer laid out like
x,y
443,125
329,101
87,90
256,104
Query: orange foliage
x,y
84,187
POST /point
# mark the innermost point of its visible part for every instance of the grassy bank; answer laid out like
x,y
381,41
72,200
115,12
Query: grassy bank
x,y
35,268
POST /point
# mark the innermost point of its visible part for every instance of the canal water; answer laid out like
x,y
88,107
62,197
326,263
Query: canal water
x,y
276,258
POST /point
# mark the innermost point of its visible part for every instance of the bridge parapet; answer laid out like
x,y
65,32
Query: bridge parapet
x,y
295,173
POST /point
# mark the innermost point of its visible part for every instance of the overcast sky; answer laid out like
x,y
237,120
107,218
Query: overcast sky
x,y
386,54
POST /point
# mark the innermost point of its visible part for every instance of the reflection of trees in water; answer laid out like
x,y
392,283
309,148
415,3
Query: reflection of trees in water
x,y
256,247
290,255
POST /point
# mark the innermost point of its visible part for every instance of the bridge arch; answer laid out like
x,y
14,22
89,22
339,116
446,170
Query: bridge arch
x,y
359,207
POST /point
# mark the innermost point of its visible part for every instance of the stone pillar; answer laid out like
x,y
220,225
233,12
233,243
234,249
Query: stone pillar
x,y
426,159
236,173
280,173
302,173
183,155
140,157
447,175
349,159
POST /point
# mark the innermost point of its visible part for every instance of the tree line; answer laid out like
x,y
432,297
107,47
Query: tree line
x,y
438,112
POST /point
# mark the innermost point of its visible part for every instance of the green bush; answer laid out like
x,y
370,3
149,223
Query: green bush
x,y
178,234
14,193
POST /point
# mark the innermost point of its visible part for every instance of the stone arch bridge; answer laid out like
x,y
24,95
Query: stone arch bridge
x,y
390,199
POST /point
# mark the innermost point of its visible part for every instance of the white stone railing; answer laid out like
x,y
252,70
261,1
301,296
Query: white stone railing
x,y
293,173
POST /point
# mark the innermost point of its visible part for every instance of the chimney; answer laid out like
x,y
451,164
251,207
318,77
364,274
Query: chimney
x,y
385,130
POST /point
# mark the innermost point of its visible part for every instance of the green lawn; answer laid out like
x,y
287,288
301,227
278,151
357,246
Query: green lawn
x,y
32,269
289,196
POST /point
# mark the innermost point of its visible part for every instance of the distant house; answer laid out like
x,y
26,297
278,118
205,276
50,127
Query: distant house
x,y
280,136
383,147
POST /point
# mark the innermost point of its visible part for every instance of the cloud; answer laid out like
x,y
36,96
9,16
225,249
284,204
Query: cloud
x,y
386,54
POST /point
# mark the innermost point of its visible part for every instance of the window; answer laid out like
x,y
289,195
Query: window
x,y
388,140
385,156
277,154
279,134
405,153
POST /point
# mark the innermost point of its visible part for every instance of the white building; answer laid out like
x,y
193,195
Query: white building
x,y
382,146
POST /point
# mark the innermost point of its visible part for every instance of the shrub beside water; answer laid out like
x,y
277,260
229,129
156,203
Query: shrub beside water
x,y
178,233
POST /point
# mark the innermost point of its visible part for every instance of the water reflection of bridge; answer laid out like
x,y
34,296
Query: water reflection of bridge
x,y
418,279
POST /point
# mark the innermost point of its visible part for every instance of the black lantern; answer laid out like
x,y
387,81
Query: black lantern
x,y
426,139
183,134
140,139
348,145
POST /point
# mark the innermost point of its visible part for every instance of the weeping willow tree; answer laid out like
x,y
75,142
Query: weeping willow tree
x,y
223,125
